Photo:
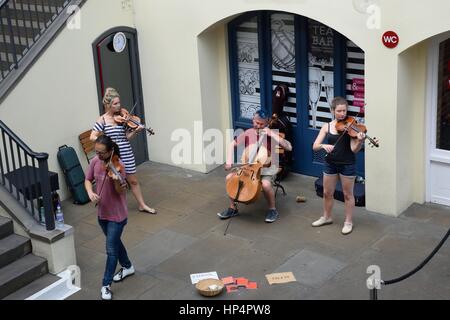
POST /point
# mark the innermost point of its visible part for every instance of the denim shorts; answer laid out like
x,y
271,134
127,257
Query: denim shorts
x,y
346,170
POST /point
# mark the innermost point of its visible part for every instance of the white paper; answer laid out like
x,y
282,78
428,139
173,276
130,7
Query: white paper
x,y
196,277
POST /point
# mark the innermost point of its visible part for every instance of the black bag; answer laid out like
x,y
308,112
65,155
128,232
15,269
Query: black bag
x,y
74,174
358,191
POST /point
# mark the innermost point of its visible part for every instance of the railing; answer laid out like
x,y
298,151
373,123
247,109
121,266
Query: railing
x,y
22,23
25,175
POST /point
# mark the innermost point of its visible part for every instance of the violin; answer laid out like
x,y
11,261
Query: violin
x,y
352,127
131,121
113,168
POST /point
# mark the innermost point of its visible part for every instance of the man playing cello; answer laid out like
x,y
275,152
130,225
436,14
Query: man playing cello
x,y
251,139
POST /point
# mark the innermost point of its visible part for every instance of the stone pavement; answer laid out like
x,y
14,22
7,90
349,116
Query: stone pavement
x,y
186,237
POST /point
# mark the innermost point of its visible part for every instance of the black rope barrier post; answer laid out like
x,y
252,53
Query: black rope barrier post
x,y
374,294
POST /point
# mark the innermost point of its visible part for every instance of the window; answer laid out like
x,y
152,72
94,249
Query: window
x,y
443,103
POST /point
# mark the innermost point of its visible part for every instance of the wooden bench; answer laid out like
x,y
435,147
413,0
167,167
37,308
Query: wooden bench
x,y
87,144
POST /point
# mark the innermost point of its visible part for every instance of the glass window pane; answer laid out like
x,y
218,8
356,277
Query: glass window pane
x,y
321,72
354,80
248,67
283,59
443,107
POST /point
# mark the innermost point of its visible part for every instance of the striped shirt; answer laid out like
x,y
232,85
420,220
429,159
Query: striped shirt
x,y
118,135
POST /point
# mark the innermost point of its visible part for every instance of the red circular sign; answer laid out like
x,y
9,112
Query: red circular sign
x,y
390,39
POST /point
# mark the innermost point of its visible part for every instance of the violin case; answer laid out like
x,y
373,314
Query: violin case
x,y
359,192
279,99
73,173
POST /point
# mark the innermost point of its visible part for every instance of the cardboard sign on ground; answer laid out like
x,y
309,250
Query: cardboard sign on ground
x,y
283,277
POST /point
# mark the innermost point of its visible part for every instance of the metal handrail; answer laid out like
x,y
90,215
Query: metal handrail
x,y
23,178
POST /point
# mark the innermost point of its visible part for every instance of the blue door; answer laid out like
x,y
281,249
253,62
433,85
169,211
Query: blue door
x,y
314,61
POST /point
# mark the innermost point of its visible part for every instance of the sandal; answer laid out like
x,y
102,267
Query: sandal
x,y
151,211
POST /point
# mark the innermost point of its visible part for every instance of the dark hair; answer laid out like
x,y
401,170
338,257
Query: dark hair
x,y
262,114
337,101
109,144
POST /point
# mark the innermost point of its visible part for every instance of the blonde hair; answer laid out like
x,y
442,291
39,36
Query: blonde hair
x,y
110,95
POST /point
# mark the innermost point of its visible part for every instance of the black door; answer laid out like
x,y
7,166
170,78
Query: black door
x,y
120,70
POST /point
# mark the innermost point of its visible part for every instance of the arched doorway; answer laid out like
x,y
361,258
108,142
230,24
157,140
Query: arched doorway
x,y
438,154
315,62
120,69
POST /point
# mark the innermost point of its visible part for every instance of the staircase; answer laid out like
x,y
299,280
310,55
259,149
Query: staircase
x,y
21,273
26,28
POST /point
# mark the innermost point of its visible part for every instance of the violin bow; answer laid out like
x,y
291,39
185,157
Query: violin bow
x,y
132,109
131,113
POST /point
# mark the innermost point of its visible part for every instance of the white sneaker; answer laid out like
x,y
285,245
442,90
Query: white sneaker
x,y
322,221
348,227
123,273
106,293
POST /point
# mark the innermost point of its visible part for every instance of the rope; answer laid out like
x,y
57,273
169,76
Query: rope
x,y
420,266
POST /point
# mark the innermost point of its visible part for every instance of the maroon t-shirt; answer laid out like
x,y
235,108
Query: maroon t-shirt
x,y
112,205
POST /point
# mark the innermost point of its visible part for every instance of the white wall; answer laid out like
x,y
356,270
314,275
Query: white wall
x,y
57,99
184,46
411,126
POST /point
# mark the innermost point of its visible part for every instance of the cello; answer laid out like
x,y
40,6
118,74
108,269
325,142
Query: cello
x,y
245,184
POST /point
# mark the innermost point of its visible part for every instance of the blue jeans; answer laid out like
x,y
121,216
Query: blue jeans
x,y
115,250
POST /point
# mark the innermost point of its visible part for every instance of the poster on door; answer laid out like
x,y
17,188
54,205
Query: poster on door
x,y
321,73
358,90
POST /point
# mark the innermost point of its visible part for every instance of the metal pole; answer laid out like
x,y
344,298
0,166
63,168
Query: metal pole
x,y
374,294
46,192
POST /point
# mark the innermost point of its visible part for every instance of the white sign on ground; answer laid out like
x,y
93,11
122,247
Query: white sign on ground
x,y
196,277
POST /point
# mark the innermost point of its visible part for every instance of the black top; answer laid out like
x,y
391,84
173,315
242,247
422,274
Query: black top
x,y
342,152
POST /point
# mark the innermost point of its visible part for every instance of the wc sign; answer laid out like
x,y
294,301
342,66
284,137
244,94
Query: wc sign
x,y
390,39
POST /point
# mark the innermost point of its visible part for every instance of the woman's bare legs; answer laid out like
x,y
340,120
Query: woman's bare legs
x,y
136,190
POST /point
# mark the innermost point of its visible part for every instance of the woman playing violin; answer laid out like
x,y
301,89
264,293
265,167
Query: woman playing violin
x,y
110,196
339,164
248,138
107,125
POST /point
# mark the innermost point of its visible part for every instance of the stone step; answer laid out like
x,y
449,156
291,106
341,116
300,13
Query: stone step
x,y
33,287
12,248
20,273
6,227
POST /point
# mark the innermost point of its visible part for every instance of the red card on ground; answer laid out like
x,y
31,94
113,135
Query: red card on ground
x,y
231,288
228,280
252,285
242,282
